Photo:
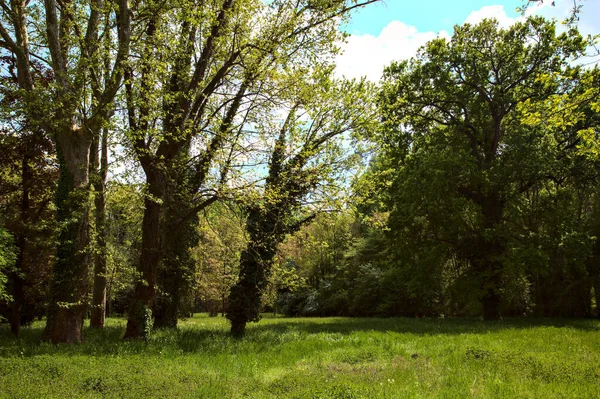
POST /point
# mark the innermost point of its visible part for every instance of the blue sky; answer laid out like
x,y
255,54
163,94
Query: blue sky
x,y
395,29
425,15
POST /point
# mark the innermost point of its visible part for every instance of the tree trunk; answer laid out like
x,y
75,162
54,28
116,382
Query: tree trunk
x,y
596,283
166,306
99,294
17,283
139,322
177,267
487,261
69,284
245,296
17,277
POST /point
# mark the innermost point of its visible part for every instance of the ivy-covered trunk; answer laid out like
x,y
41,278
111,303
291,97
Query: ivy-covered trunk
x,y
166,306
245,297
177,267
69,284
255,266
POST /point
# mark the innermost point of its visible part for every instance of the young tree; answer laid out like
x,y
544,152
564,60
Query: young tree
x,y
99,173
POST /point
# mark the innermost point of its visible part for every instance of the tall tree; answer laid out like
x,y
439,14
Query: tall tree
x,y
69,41
201,67
464,152
306,152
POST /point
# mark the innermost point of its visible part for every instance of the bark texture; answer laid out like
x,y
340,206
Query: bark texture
x,y
69,286
98,312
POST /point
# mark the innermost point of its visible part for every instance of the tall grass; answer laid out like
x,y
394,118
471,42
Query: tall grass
x,y
313,358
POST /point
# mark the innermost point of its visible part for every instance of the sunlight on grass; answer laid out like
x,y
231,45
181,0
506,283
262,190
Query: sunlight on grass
x,y
318,358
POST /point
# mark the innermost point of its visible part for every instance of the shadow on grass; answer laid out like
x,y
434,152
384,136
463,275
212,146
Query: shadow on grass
x,y
210,335
422,326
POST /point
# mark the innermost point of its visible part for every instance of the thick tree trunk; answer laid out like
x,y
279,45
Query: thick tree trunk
x,y
177,267
166,305
165,314
139,322
245,297
69,285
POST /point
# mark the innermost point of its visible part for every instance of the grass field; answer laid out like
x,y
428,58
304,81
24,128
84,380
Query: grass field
x,y
313,358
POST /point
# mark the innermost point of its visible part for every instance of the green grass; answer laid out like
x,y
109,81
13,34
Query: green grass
x,y
313,358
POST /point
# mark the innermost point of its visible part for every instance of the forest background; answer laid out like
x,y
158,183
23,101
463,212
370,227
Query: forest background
x,y
165,158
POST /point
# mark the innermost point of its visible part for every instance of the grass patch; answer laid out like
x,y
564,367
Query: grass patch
x,y
312,358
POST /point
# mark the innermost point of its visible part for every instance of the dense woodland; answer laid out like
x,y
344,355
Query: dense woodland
x,y
159,158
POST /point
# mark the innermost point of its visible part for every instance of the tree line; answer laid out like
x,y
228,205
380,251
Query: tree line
x,y
480,195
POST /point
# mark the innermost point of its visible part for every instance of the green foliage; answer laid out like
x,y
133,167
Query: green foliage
x,y
143,317
217,256
8,256
472,130
27,211
123,231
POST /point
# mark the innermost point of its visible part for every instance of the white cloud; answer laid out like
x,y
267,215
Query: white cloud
x,y
495,11
367,55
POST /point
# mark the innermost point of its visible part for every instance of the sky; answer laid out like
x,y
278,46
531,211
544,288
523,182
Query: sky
x,y
395,29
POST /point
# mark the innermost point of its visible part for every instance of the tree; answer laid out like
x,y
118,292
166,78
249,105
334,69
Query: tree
x,y
200,69
28,182
71,38
464,153
99,172
305,153
27,187
563,210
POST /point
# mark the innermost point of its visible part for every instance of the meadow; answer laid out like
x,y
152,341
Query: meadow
x,y
312,358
